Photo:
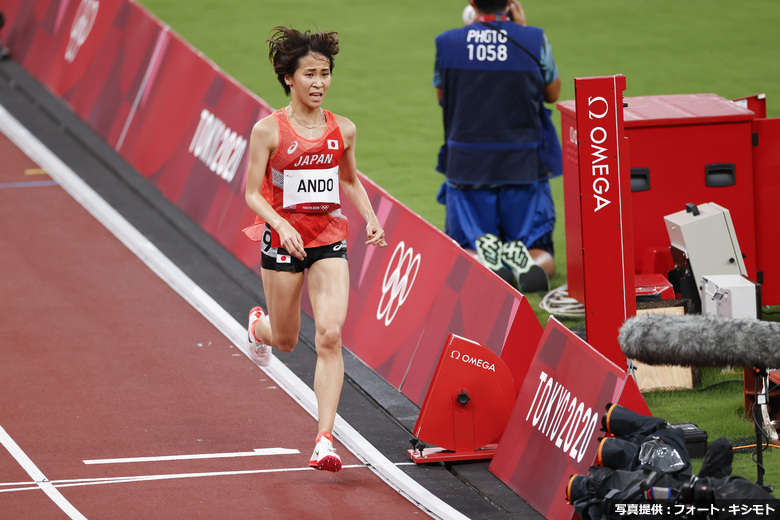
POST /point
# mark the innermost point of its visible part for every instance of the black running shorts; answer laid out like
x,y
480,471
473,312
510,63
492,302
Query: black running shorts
x,y
278,259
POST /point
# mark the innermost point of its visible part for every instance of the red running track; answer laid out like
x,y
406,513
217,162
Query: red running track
x,y
102,360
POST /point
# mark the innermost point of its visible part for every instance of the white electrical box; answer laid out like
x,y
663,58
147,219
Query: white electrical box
x,y
730,296
705,233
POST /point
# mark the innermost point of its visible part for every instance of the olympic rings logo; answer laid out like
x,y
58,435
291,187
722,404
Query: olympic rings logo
x,y
398,281
86,14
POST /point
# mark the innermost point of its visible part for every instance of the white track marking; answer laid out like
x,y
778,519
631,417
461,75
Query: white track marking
x,y
7,487
214,313
256,453
27,486
41,482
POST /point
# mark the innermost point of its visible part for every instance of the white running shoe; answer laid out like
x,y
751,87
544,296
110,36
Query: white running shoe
x,y
515,255
324,455
489,248
258,351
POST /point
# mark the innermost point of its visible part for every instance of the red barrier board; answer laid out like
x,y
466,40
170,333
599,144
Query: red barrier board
x,y
94,56
117,72
34,31
554,427
57,41
11,10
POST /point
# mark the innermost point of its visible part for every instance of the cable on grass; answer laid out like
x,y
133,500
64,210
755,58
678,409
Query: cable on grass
x,y
558,303
719,383
753,446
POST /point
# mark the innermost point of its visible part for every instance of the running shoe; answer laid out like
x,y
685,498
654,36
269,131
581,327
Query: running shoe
x,y
324,455
529,276
258,351
535,280
488,248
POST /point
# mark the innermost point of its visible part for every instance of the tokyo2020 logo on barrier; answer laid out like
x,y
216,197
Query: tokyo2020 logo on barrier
x,y
398,281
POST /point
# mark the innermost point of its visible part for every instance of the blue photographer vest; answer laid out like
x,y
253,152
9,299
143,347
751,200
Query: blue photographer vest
x,y
496,127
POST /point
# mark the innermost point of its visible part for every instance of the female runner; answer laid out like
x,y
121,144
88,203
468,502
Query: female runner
x,y
299,157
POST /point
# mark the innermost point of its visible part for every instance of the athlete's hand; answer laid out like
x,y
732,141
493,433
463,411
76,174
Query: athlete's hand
x,y
291,240
376,235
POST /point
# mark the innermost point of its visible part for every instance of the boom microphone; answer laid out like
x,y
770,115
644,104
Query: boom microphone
x,y
701,341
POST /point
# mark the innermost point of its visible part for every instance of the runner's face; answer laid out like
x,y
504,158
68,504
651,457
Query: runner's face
x,y
311,80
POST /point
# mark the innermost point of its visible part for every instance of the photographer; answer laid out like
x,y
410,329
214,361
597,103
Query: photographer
x,y
492,78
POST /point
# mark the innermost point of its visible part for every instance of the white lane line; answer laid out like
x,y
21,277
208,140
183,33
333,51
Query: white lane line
x,y
41,482
214,313
258,452
28,486
27,184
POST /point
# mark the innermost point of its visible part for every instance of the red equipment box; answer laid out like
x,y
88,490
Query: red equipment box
x,y
682,148
766,162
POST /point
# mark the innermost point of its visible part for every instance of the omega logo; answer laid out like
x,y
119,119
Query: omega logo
x,y
398,281
471,360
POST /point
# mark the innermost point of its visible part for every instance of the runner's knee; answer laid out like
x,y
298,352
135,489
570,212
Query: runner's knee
x,y
328,339
285,343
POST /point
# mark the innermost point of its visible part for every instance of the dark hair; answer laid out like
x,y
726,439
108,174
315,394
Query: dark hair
x,y
287,46
491,6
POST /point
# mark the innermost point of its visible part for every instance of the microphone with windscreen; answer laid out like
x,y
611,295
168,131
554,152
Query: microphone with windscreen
x,y
701,341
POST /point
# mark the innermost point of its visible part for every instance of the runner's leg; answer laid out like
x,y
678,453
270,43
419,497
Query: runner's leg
x,y
328,283
283,296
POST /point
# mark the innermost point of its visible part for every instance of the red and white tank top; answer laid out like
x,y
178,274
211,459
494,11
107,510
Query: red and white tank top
x,y
301,184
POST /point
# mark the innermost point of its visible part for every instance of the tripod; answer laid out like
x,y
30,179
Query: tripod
x,y
761,399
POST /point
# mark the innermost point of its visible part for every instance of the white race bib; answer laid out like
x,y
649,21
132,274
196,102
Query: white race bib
x,y
311,191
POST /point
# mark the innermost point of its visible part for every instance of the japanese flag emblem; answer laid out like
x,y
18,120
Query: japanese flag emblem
x,y
282,259
333,144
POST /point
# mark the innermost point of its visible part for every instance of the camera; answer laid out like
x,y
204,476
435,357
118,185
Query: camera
x,y
469,15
